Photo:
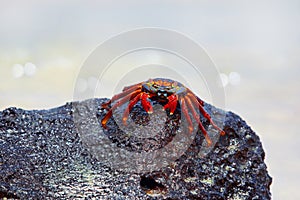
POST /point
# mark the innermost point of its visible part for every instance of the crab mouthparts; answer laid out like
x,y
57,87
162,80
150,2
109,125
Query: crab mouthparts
x,y
162,94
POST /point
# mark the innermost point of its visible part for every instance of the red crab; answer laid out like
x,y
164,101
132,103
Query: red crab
x,y
162,90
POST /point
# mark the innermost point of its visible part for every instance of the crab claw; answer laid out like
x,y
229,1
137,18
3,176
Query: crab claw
x,y
146,104
172,103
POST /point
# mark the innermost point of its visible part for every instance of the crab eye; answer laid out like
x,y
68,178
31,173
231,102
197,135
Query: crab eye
x,y
155,85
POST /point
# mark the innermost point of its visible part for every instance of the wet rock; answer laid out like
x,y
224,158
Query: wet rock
x,y
63,153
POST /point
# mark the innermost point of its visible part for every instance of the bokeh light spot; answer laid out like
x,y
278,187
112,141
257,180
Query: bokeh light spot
x,y
17,71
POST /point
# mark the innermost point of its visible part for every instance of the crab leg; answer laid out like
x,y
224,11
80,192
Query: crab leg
x,y
119,103
172,103
197,118
136,86
129,90
200,101
195,98
146,105
205,114
191,94
185,112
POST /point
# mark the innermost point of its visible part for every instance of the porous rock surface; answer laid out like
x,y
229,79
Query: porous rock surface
x,y
47,154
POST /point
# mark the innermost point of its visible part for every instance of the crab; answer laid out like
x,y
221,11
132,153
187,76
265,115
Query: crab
x,y
169,93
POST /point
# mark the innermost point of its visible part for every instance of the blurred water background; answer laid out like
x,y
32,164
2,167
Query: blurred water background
x,y
255,44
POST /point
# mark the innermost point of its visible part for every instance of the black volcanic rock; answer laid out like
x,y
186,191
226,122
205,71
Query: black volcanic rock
x,y
63,153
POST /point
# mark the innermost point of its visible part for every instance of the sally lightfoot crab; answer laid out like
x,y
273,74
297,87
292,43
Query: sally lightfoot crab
x,y
167,92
